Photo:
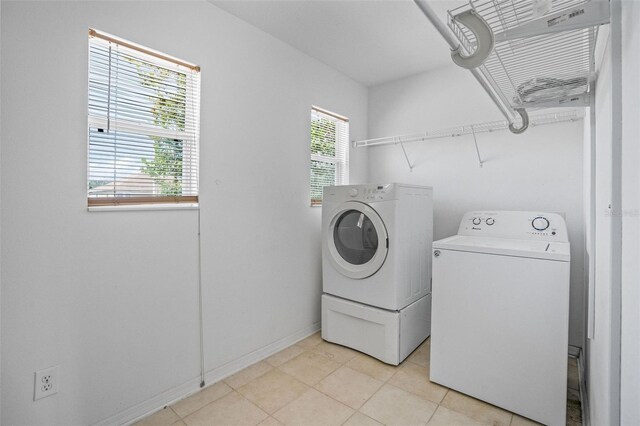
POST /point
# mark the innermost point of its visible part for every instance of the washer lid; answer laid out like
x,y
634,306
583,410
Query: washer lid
x,y
506,247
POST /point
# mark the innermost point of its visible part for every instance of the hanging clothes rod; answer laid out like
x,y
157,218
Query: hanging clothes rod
x,y
471,129
470,61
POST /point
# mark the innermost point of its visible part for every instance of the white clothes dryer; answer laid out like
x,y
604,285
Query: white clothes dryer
x,y
376,243
376,266
501,312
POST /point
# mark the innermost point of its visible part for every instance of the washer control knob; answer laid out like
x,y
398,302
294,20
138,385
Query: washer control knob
x,y
353,192
476,221
490,221
540,223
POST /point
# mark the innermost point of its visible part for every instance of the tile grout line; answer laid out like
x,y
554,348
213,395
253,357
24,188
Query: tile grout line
x,y
343,364
234,389
174,412
308,349
387,382
313,349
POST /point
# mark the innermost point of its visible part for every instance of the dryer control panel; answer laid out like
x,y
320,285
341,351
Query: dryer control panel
x,y
363,193
515,224
369,193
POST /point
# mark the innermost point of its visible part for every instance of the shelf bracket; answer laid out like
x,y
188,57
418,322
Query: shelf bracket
x,y
475,141
484,40
406,157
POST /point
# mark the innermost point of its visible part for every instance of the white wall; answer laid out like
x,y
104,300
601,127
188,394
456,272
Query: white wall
x,y
112,297
630,368
599,367
614,344
0,210
538,170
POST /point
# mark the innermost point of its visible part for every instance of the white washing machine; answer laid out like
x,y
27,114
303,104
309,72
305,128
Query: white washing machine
x,y
501,312
376,266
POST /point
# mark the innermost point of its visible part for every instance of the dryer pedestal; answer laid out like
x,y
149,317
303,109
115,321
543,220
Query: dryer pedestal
x,y
389,336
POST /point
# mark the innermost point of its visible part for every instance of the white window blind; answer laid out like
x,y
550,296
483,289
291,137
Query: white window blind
x,y
143,126
329,152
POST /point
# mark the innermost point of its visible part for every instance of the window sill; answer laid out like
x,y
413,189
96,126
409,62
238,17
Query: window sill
x,y
144,207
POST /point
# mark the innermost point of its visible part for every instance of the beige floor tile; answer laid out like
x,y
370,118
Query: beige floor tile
x,y
166,416
232,409
476,409
314,408
394,406
349,386
179,423
270,421
243,377
311,341
415,379
285,355
273,390
198,400
359,419
421,355
337,353
445,417
522,421
309,367
372,367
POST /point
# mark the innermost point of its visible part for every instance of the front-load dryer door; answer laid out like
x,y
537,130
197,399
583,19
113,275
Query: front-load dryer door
x,y
356,240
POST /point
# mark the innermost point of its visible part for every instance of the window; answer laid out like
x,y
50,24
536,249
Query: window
x,y
329,152
143,125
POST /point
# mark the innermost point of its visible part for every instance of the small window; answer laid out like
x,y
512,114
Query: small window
x,y
143,126
329,152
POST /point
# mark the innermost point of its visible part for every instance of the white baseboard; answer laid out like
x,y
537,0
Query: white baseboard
x,y
150,406
236,365
170,396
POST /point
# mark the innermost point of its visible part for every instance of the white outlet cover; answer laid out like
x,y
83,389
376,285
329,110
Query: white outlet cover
x,y
46,382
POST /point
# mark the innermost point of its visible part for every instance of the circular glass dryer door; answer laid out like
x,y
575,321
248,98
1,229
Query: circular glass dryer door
x,y
356,240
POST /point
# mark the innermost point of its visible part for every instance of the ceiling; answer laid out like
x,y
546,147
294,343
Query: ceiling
x,y
371,41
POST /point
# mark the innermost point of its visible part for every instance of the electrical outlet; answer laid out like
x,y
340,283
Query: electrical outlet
x,y
46,382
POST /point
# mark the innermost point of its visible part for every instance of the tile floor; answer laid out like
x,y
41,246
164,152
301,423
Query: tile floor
x,y
318,383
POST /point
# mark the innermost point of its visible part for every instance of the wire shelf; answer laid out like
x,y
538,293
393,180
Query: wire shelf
x,y
530,68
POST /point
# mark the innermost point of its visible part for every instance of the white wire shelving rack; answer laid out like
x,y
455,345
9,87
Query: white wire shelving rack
x,y
526,54
539,119
538,60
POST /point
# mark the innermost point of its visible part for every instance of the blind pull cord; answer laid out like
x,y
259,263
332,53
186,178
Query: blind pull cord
x,y
200,301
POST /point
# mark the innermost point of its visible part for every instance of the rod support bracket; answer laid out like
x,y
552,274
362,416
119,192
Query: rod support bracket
x,y
485,40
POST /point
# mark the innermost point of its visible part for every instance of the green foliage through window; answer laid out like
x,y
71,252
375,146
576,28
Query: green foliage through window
x,y
169,112
328,153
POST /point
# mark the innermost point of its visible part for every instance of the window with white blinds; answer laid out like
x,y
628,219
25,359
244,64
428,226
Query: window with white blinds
x,y
329,152
143,126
